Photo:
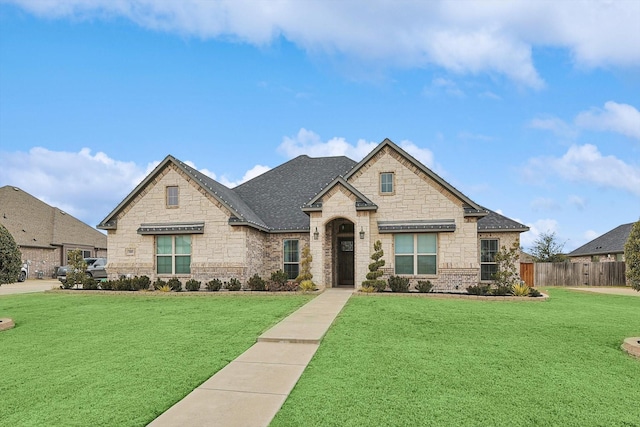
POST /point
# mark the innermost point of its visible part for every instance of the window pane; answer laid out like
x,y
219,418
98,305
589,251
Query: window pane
x,y
488,250
426,264
404,264
291,270
291,251
183,245
427,243
487,271
404,243
183,264
172,196
386,183
163,245
164,265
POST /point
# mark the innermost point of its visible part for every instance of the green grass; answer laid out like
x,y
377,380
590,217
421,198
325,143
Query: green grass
x,y
407,361
115,360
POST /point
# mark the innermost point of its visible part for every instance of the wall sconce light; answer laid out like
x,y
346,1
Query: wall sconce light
x,y
361,233
316,234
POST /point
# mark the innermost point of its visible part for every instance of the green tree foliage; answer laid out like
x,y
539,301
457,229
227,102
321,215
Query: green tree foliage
x,y
305,265
10,257
546,248
632,257
76,273
374,274
507,274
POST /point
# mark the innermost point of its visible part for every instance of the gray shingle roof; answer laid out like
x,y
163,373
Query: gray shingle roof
x,y
495,222
609,243
280,193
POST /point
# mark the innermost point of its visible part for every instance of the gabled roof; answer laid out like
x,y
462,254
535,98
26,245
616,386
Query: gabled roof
x,y
609,243
362,202
471,208
34,223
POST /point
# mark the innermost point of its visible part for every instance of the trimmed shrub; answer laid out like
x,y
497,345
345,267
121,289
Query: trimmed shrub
x,y
141,283
424,286
399,284
256,283
234,285
305,265
89,284
175,284
287,286
374,274
479,289
159,283
192,285
502,290
213,285
123,284
534,293
106,285
279,277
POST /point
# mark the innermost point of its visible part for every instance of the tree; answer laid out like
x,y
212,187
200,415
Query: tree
x,y
632,257
10,257
374,274
76,273
547,249
305,265
507,274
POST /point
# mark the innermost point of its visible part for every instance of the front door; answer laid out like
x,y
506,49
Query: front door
x,y
345,261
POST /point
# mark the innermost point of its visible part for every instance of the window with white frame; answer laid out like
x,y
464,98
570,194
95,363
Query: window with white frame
x,y
291,258
172,196
386,183
488,251
173,254
416,253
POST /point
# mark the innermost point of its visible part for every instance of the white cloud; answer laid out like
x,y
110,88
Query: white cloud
x,y
614,117
310,143
447,85
546,225
250,174
494,37
585,163
577,202
544,204
555,125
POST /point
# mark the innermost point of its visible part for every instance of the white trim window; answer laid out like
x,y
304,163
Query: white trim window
x,y
173,254
488,251
416,254
291,256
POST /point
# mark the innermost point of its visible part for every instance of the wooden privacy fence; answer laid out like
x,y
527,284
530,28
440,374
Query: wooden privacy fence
x,y
579,274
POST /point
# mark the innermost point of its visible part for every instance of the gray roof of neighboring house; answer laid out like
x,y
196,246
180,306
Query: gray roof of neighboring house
x,y
33,223
610,242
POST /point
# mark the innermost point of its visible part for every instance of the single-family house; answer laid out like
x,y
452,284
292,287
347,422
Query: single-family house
x,y
606,248
45,234
180,222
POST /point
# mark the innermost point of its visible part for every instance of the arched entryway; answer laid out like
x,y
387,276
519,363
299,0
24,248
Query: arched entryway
x,y
340,233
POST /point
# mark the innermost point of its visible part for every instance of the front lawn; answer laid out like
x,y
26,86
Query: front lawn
x,y
406,361
120,360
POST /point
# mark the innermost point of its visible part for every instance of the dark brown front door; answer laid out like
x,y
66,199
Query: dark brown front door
x,y
345,261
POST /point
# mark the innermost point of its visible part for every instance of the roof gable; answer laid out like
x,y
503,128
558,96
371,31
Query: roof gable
x,y
362,202
471,208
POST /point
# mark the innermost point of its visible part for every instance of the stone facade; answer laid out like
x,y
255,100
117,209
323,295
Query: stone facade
x,y
229,246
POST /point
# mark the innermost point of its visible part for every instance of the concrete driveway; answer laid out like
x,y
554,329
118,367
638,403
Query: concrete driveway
x,y
29,286
610,290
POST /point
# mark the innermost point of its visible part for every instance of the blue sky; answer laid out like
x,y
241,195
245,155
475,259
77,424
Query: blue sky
x,y
529,108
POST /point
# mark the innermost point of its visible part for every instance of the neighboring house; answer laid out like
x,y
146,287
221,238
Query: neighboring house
x,y
606,248
44,233
179,222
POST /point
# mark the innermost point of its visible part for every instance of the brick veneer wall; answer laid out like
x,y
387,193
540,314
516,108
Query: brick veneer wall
x,y
45,260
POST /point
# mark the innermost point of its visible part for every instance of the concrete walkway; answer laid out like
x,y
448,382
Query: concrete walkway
x,y
251,389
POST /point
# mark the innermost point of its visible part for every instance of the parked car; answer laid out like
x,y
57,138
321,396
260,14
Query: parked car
x,y
24,272
95,269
